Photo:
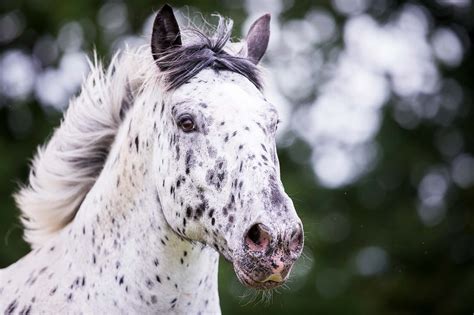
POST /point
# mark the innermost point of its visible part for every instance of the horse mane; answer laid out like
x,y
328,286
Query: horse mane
x,y
64,170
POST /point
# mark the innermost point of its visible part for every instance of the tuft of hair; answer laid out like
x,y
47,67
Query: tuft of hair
x,y
201,50
65,169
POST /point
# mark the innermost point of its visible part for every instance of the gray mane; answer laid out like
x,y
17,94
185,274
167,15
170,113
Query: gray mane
x,y
182,63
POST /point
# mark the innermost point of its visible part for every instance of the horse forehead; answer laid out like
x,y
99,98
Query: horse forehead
x,y
213,85
230,96
227,96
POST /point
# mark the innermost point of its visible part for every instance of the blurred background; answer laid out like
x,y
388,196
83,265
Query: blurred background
x,y
376,142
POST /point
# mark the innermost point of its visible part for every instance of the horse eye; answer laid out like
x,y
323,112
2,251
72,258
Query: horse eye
x,y
186,123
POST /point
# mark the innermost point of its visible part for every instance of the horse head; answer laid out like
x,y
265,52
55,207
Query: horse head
x,y
219,183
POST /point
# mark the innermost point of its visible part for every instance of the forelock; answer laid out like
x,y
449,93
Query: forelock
x,y
204,51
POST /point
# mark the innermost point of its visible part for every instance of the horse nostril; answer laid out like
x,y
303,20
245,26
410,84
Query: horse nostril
x,y
258,238
296,240
254,234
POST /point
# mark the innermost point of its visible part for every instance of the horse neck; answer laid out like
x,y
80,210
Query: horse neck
x,y
121,233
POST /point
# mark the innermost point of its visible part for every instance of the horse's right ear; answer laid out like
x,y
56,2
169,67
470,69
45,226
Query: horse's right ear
x,y
165,33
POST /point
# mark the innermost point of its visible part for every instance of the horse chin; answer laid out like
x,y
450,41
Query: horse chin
x,y
249,282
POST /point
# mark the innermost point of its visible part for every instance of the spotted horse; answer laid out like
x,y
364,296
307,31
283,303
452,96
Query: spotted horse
x,y
163,162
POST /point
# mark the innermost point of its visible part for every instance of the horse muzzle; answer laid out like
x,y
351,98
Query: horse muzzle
x,y
267,257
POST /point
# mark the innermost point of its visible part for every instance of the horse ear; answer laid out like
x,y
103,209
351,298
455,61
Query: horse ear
x,y
257,38
165,33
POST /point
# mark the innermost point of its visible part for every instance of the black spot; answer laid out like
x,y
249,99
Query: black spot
x,y
11,307
25,311
200,209
261,127
53,291
190,160
149,284
137,144
217,176
188,212
276,197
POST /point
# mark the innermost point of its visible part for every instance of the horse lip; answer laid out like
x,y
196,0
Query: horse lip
x,y
276,277
268,283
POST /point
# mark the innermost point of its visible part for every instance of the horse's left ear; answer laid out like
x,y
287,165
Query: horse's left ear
x,y
165,33
257,38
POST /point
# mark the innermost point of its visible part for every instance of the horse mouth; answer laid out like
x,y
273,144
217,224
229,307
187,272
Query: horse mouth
x,y
248,281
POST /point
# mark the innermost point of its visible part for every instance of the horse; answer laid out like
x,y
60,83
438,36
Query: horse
x,y
164,161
